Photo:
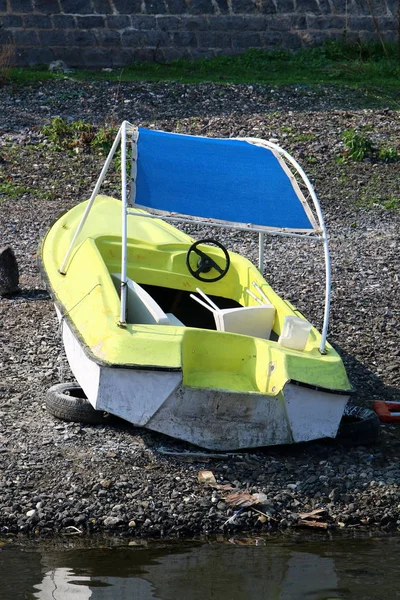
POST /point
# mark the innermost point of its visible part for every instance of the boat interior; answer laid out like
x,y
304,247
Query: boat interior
x,y
239,303
152,304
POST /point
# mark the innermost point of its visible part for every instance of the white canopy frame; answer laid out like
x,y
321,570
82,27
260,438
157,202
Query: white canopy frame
x,y
129,133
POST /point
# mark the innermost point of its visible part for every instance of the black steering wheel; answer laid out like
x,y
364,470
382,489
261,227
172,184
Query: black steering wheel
x,y
205,263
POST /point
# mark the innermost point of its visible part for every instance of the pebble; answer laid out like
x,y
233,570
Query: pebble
x,y
112,521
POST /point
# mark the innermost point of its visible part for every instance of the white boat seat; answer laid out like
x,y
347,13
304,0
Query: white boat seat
x,y
173,320
142,308
255,321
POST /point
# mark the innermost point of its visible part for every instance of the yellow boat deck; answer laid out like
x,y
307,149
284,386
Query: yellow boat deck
x,y
156,255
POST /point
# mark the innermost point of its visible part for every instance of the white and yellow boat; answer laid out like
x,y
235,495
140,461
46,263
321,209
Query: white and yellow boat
x,y
184,337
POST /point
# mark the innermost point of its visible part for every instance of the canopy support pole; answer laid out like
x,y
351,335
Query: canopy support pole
x,y
324,334
63,268
122,318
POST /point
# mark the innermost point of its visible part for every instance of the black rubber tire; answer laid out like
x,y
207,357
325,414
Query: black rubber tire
x,y
359,426
67,401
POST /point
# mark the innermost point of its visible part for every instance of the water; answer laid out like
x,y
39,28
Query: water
x,y
267,569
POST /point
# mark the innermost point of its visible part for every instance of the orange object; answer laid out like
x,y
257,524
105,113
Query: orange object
x,y
388,412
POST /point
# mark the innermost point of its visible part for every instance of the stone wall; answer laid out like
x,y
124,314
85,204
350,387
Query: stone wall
x,y
113,33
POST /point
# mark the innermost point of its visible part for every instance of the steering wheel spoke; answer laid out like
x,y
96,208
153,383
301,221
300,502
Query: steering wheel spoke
x,y
200,253
206,263
197,273
219,269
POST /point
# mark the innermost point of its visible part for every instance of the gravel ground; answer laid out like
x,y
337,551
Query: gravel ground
x,y
69,478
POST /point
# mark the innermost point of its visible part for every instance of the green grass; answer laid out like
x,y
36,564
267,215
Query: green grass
x,y
390,203
11,189
357,66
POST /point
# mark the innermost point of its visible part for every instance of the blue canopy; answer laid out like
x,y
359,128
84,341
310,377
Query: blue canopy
x,y
228,180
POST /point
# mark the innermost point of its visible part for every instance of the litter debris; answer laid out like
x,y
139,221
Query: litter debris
x,y
263,516
250,541
304,523
388,412
318,513
245,500
59,66
223,487
262,519
72,530
206,477
313,519
232,519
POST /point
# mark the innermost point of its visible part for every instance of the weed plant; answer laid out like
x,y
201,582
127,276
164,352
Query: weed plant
x,y
64,135
67,135
75,135
7,55
358,146
389,154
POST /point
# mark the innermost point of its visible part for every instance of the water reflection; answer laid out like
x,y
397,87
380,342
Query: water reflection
x,y
277,570
204,572
61,583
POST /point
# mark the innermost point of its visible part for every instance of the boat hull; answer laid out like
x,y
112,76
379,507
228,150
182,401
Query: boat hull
x,y
157,399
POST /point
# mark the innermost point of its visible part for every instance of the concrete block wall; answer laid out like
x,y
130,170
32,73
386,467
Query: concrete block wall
x,y
114,33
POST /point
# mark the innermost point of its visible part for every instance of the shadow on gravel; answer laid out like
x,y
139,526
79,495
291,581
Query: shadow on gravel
x,y
367,384
28,294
